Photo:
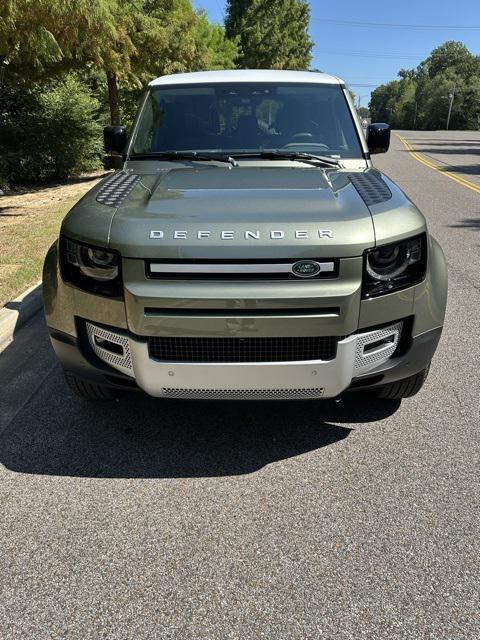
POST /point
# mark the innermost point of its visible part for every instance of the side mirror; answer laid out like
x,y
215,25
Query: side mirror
x,y
115,139
378,137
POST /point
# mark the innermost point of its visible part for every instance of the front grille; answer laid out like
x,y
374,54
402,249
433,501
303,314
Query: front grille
x,y
239,269
243,349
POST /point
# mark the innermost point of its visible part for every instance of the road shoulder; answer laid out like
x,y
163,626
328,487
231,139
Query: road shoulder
x,y
17,312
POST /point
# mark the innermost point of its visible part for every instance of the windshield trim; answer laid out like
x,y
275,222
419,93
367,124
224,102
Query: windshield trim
x,y
362,153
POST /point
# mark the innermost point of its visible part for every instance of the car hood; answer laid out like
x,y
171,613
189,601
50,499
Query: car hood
x,y
243,212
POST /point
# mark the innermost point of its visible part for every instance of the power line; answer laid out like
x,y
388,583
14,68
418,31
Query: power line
x,y
371,79
221,9
371,54
391,25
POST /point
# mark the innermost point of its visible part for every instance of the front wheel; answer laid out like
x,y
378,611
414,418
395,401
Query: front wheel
x,y
404,388
89,390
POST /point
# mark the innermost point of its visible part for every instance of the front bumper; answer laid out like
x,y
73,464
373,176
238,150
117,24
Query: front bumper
x,y
355,355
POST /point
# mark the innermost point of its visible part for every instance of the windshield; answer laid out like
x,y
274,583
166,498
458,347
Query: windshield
x,y
243,117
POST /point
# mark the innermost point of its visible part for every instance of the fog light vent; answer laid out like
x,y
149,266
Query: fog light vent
x,y
376,347
112,348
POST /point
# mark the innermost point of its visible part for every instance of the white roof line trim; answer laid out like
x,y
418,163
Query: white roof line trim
x,y
246,75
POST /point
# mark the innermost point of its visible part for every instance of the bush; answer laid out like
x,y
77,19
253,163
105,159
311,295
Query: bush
x,y
48,131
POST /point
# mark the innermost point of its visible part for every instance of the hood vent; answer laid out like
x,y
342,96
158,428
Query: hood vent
x,y
114,191
371,187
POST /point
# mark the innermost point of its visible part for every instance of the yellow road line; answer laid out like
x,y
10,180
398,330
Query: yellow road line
x,y
431,165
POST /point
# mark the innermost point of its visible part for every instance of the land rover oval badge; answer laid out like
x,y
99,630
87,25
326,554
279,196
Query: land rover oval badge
x,y
306,268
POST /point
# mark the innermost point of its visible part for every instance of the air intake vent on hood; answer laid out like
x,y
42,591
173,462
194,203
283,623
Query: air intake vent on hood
x,y
371,187
114,191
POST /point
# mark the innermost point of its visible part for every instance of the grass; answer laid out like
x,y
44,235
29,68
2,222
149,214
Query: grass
x,y
29,223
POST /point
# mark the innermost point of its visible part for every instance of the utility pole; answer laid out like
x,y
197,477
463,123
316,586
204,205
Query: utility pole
x,y
359,100
415,114
451,96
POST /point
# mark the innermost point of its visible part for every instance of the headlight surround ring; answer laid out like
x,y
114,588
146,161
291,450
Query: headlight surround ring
x,y
91,268
394,266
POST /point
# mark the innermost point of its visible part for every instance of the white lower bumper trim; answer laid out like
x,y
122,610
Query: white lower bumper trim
x,y
329,377
356,354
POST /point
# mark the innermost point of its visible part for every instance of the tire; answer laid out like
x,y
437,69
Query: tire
x,y
89,390
404,388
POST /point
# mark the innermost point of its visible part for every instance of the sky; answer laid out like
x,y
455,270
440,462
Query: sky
x,y
371,55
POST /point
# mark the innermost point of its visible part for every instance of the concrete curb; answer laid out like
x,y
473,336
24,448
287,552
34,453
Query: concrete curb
x,y
19,311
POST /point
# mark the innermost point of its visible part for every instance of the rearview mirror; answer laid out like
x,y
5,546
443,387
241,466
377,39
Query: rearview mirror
x,y
115,139
378,137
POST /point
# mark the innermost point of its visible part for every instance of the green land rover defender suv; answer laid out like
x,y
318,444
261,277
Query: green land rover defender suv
x,y
245,248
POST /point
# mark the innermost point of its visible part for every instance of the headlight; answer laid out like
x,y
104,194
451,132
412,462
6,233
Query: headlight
x,y
394,266
91,268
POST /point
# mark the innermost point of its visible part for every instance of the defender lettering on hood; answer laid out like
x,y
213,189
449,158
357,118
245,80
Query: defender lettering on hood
x,y
274,234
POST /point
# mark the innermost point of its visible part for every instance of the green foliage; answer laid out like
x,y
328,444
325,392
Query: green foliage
x,y
218,52
134,40
169,37
450,55
80,55
50,34
48,131
131,42
273,34
421,97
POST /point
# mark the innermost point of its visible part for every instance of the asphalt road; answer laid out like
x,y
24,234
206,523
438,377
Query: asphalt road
x,y
147,519
457,151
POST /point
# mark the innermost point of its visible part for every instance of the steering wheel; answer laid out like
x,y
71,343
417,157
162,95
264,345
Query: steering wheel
x,y
305,138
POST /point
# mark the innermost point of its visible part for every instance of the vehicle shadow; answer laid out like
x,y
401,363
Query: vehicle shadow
x,y
42,186
4,212
140,437
461,151
468,169
447,147
467,223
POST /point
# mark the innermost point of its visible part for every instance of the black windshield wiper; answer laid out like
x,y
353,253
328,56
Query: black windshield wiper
x,y
186,155
301,156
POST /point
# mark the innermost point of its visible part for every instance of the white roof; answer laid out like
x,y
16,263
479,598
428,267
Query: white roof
x,y
246,75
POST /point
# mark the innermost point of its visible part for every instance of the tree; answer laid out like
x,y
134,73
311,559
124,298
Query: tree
x,y
129,41
451,55
273,34
421,97
48,130
382,102
220,51
168,36
363,112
